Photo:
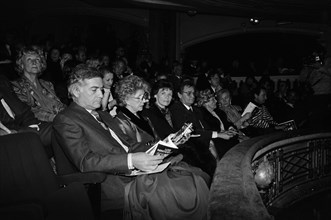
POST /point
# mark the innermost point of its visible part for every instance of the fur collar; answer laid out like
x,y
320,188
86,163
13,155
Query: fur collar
x,y
140,122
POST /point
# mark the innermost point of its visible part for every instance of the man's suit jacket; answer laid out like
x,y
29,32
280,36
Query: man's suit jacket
x,y
92,148
23,114
180,114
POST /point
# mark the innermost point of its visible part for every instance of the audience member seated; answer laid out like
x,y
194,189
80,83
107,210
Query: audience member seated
x,y
53,72
261,122
176,76
35,92
216,121
183,111
132,93
245,90
16,116
120,53
158,113
233,112
202,82
213,82
94,142
119,67
104,60
80,54
278,103
108,101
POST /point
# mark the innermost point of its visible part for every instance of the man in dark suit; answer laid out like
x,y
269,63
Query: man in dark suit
x,y
183,111
16,116
97,144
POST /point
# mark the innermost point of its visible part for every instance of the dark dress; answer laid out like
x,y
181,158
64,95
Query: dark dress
x,y
179,192
161,126
212,123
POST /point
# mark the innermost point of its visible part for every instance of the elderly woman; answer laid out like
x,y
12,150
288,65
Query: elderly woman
x,y
215,120
35,92
232,111
133,93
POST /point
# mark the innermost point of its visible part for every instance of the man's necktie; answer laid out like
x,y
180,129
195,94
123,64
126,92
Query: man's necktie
x,y
112,133
97,116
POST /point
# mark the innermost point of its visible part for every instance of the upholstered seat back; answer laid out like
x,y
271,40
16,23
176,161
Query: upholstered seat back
x,y
25,172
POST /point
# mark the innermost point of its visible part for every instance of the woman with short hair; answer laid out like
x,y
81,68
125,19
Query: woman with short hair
x,y
37,93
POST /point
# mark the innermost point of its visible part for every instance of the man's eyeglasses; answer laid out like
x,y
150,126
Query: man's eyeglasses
x,y
189,93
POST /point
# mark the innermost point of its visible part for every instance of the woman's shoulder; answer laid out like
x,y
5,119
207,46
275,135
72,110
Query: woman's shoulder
x,y
19,82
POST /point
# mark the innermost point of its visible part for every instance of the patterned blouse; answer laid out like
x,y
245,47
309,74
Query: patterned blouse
x,y
43,101
261,118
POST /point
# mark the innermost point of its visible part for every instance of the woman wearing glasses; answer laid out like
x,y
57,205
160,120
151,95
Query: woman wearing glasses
x,y
132,94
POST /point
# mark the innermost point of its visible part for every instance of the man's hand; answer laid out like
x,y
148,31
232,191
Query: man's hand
x,y
146,162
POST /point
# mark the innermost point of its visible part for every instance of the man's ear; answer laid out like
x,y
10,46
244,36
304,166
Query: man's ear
x,y
255,96
76,90
179,95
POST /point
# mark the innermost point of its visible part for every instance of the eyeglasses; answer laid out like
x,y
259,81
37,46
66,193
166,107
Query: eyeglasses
x,y
142,98
189,93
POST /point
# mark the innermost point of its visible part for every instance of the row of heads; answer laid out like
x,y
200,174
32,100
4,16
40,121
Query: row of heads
x,y
132,83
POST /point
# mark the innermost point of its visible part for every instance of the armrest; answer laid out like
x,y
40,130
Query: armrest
x,y
88,177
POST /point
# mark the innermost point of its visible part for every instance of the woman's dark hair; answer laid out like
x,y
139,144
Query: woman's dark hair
x,y
104,70
161,84
257,90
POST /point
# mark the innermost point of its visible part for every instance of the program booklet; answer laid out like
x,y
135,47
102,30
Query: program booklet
x,y
165,148
249,108
289,125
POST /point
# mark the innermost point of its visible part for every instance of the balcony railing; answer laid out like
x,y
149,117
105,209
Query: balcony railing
x,y
300,165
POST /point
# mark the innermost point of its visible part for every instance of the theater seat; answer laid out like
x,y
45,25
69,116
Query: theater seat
x,y
69,173
29,189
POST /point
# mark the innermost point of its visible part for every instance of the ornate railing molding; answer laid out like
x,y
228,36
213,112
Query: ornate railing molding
x,y
302,167
234,193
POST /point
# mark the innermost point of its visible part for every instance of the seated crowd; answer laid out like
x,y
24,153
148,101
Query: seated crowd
x,y
106,115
